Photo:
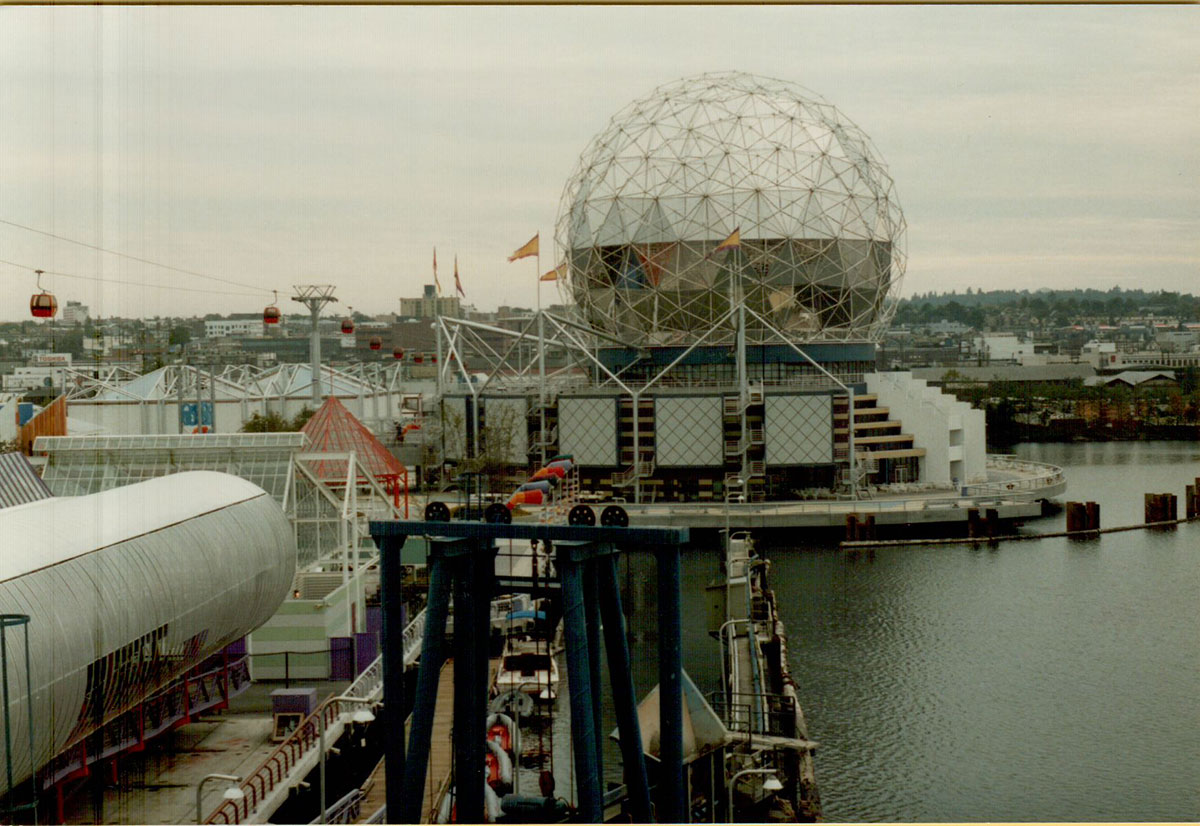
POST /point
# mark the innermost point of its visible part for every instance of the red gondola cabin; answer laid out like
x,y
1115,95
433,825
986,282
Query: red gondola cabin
x,y
376,343
347,326
398,353
43,305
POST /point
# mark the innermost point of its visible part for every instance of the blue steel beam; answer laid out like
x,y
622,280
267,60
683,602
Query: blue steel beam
x,y
472,595
390,587
622,537
672,805
591,605
624,696
433,653
583,729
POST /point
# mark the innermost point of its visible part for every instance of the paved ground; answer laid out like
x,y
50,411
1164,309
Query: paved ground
x,y
159,784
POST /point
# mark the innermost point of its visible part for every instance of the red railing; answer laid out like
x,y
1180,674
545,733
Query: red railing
x,y
278,765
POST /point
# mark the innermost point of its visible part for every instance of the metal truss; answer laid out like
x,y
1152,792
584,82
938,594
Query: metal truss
x,y
676,173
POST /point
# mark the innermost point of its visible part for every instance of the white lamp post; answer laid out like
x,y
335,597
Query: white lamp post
x,y
362,715
771,784
231,793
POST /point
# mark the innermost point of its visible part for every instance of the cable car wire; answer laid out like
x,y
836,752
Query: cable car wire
x,y
133,257
122,282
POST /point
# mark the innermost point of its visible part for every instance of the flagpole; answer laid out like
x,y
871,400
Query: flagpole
x,y
541,360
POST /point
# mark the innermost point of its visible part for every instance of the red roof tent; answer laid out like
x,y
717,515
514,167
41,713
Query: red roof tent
x,y
334,429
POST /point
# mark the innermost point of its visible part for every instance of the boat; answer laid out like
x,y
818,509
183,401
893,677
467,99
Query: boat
x,y
527,666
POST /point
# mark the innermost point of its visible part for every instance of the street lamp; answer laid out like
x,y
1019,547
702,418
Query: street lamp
x,y
362,715
771,784
231,793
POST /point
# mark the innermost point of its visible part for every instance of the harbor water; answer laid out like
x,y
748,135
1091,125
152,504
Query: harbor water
x,y
1045,680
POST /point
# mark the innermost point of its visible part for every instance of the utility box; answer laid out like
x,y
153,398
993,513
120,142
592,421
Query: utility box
x,y
290,707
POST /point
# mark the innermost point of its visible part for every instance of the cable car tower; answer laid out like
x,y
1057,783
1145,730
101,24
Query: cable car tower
x,y
315,297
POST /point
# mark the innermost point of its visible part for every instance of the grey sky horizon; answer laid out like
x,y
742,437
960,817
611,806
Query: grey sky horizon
x,y
271,146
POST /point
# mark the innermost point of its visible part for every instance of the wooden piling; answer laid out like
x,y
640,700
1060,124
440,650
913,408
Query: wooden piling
x,y
972,523
851,527
869,527
1076,517
992,524
1172,507
1189,502
1151,503
1092,513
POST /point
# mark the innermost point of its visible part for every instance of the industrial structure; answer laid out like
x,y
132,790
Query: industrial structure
x,y
732,246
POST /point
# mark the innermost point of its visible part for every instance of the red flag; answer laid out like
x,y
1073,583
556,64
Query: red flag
x,y
457,283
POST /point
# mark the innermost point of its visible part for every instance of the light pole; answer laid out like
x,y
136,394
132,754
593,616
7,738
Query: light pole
x,y
737,480
231,793
363,715
771,784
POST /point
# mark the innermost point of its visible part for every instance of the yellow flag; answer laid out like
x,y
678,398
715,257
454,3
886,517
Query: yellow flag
x,y
734,241
555,273
530,248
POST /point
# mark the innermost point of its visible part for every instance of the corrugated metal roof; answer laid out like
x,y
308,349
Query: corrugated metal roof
x,y
19,482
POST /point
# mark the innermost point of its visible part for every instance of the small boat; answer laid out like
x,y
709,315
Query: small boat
x,y
528,666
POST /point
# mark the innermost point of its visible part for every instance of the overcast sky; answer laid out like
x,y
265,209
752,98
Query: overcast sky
x,y
1031,147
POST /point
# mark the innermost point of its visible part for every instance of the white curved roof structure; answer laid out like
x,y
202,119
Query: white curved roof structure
x,y
128,588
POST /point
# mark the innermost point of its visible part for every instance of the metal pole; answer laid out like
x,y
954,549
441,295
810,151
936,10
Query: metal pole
x,y
232,778
404,798
672,805
469,715
583,730
8,770
624,698
315,351
391,596
321,756
592,611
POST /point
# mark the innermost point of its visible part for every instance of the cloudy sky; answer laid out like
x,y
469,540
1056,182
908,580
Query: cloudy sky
x,y
1031,147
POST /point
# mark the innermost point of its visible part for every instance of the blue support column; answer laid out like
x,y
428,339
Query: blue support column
x,y
470,685
591,604
583,729
433,652
672,805
391,597
624,697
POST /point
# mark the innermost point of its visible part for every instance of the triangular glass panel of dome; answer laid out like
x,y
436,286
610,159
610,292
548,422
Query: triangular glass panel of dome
x,y
612,229
654,227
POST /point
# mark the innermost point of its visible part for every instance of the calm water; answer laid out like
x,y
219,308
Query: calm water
x,y
1042,680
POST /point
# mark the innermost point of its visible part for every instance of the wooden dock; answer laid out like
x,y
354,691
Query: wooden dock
x,y
437,775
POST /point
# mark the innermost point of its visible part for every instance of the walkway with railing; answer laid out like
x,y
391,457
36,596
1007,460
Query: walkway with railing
x,y
269,785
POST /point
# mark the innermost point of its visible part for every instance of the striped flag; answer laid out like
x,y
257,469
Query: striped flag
x,y
457,283
555,274
530,248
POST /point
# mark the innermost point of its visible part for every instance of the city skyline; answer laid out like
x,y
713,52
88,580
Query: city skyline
x,y
278,146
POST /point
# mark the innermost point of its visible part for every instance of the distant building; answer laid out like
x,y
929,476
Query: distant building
x,y
225,327
75,313
430,305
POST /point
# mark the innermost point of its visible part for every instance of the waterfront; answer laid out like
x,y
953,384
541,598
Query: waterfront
x,y
1050,680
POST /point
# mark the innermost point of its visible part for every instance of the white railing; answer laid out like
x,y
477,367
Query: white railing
x,y
1035,478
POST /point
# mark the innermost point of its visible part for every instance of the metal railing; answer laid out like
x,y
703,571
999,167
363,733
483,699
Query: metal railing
x,y
1037,476
740,716
289,755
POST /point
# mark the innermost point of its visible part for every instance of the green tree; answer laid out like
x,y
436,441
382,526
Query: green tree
x,y
180,335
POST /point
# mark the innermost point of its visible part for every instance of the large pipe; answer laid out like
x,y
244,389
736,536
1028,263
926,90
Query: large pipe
x,y
129,588
672,806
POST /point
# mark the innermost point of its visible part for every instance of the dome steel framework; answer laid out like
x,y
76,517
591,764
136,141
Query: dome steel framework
x,y
675,173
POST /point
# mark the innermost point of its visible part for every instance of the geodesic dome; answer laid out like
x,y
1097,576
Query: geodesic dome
x,y
675,173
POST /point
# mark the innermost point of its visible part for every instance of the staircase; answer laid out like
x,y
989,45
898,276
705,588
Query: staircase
x,y
881,449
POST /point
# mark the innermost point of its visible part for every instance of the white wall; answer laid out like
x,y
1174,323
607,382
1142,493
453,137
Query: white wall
x,y
951,432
